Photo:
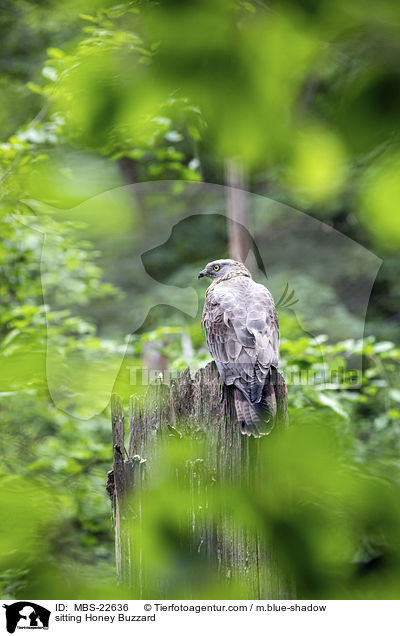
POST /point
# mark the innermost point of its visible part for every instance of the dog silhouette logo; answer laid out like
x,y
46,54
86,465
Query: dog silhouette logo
x,y
26,615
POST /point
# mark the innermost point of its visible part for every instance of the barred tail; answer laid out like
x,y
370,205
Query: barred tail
x,y
256,419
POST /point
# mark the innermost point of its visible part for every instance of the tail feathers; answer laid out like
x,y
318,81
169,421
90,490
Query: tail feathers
x,y
256,419
266,407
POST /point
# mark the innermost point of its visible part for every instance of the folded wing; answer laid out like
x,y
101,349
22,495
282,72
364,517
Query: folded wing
x,y
241,329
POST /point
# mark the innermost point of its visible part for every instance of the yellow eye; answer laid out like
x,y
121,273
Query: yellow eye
x,y
216,267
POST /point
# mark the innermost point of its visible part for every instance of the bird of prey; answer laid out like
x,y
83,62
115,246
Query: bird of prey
x,y
241,328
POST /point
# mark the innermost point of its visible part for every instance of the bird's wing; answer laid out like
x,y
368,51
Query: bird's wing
x,y
241,328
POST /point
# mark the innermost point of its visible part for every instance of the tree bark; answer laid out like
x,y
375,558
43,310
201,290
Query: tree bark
x,y
199,406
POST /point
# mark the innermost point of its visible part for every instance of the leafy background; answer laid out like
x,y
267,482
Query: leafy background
x,y
306,98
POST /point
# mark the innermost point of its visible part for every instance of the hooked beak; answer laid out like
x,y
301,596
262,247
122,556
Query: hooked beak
x,y
202,273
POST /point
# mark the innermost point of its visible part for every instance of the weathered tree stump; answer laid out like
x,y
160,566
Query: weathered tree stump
x,y
199,406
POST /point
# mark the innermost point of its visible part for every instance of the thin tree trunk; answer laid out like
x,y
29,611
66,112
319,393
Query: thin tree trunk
x,y
237,210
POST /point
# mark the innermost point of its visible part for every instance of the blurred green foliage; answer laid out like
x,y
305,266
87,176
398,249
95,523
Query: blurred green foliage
x,y
307,97
331,520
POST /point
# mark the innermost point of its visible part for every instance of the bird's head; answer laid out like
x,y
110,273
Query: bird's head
x,y
223,269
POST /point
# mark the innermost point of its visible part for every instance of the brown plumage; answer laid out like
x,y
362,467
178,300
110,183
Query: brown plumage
x,y
241,328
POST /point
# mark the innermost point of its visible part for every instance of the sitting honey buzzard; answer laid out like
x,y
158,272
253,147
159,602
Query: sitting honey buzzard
x,y
242,332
